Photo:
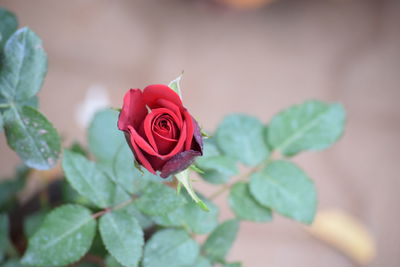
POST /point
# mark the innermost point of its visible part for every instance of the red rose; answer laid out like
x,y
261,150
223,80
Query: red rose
x,y
162,134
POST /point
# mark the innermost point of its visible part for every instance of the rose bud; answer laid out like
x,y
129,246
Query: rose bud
x,y
161,133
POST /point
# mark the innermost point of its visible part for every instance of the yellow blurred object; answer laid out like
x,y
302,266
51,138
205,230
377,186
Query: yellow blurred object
x,y
346,233
245,4
49,176
39,180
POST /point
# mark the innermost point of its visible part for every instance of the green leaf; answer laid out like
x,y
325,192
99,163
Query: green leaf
x,y
143,220
98,249
123,171
112,262
118,195
64,237
175,85
85,177
4,229
170,247
70,195
242,137
191,217
210,148
113,154
32,102
24,67
217,168
285,188
184,179
233,264
201,262
104,137
196,169
122,237
78,148
313,125
219,242
12,263
125,174
32,136
245,206
33,222
1,123
158,199
8,25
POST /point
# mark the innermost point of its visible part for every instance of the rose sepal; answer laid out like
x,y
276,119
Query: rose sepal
x,y
138,166
178,188
183,179
196,169
204,133
175,85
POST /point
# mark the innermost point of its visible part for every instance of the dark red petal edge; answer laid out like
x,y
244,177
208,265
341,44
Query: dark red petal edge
x,y
179,162
135,150
197,135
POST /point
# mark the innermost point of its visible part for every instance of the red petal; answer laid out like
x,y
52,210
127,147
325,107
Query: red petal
x,y
155,162
169,130
179,162
176,118
160,91
197,137
171,106
143,144
147,127
149,130
133,110
190,129
164,144
139,155
179,146
149,150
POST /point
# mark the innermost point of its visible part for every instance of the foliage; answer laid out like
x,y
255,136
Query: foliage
x,y
125,216
123,237
22,72
64,237
220,240
170,247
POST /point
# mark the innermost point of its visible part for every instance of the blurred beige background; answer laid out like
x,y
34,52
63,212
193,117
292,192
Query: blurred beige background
x,y
256,61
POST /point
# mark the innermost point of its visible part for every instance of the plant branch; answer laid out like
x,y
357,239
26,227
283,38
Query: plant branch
x,y
228,186
245,176
101,213
117,207
4,105
123,204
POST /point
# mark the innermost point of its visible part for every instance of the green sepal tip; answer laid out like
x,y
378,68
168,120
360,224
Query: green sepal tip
x,y
183,178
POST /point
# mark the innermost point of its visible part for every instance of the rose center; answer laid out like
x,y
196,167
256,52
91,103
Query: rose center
x,y
165,126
